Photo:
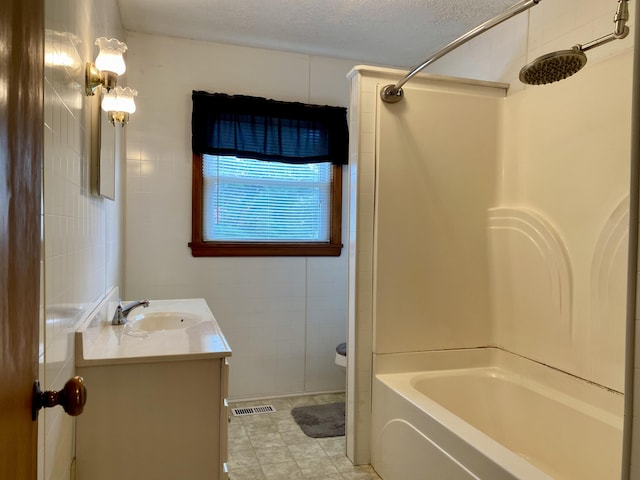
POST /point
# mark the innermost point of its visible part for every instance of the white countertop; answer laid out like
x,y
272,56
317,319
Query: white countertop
x,y
98,342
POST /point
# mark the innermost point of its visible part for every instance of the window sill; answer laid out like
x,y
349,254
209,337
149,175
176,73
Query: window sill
x,y
215,249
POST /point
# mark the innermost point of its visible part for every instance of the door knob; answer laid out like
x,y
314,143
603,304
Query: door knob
x,y
71,398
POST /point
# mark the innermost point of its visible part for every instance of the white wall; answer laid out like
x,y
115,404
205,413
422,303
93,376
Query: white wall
x,y
82,233
282,316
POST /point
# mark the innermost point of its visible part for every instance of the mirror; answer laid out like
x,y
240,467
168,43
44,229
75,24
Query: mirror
x,y
107,168
103,151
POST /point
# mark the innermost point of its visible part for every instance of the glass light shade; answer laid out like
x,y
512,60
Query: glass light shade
x,y
120,99
110,57
110,101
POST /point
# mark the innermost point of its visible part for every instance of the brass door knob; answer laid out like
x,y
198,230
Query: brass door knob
x,y
71,398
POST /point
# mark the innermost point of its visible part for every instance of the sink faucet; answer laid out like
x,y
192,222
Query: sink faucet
x,y
121,313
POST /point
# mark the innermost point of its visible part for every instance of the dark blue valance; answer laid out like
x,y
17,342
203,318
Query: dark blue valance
x,y
263,129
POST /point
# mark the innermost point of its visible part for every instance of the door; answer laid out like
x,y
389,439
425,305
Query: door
x,y
21,150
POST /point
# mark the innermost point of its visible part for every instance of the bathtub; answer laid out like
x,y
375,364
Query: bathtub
x,y
488,414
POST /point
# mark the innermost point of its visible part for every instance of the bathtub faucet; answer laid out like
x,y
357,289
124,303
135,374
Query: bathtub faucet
x,y
121,314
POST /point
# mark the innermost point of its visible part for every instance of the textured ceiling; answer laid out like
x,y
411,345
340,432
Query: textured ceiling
x,y
384,32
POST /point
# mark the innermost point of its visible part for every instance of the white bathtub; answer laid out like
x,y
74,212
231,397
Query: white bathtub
x,y
487,414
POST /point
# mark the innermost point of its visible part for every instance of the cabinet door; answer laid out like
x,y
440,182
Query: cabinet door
x,y
157,421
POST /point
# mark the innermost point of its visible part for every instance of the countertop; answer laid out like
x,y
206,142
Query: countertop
x,y
98,342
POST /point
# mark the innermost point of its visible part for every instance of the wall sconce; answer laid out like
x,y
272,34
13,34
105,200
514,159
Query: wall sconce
x,y
109,64
119,104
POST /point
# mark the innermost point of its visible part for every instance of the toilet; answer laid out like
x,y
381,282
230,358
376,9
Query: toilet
x,y
341,355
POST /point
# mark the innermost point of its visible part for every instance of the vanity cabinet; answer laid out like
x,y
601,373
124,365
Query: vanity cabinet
x,y
156,415
164,420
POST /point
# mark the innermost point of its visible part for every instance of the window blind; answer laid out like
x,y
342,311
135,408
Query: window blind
x,y
248,200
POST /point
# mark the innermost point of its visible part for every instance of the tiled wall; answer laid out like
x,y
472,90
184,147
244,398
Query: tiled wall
x,y
81,231
361,233
282,316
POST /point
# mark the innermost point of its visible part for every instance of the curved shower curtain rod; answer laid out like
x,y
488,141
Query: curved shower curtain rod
x,y
393,93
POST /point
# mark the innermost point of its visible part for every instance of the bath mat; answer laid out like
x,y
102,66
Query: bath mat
x,y
320,421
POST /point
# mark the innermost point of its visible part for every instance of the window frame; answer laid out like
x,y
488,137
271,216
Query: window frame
x,y
201,248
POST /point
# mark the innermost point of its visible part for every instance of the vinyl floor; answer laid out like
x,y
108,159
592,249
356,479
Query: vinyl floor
x,y
271,446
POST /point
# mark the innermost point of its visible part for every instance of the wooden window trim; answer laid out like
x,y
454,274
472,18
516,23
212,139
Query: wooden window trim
x,y
200,248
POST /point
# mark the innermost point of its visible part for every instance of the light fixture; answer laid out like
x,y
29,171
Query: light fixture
x,y
119,104
109,64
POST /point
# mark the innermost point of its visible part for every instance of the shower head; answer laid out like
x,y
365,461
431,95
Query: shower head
x,y
564,63
553,67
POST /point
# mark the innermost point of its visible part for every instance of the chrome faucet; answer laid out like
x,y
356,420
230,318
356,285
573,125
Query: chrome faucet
x,y
121,314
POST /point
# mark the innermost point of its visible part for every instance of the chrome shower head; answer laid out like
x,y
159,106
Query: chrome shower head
x,y
553,67
560,65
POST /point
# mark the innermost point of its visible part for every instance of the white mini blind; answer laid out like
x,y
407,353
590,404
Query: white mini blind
x,y
248,200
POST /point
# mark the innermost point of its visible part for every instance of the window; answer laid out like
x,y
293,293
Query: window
x,y
267,177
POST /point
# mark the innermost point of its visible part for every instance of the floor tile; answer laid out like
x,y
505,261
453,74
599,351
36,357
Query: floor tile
x,y
240,442
267,456
302,401
282,471
317,467
361,472
280,404
242,458
248,473
342,463
333,445
236,430
260,428
306,451
266,440
336,476
271,446
286,424
296,437
329,398
360,476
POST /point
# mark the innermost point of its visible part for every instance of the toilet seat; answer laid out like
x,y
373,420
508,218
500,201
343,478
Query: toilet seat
x,y
341,355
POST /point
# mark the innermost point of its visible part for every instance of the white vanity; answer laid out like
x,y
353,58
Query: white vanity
x,y
156,403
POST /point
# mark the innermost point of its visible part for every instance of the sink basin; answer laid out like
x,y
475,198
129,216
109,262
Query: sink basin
x,y
155,321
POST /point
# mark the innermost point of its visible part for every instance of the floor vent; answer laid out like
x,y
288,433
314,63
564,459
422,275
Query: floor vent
x,y
242,411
